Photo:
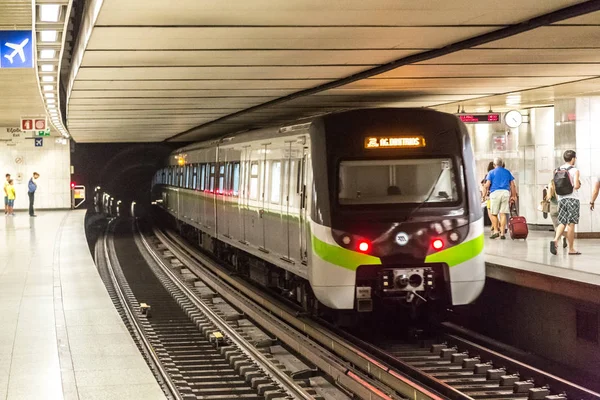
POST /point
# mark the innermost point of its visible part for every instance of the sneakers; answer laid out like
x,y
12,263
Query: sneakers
x,y
494,235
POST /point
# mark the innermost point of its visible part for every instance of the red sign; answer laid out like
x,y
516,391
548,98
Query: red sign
x,y
474,118
26,124
33,124
40,124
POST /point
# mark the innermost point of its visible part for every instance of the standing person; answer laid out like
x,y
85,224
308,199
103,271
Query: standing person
x,y
6,194
566,183
12,195
485,195
32,187
502,188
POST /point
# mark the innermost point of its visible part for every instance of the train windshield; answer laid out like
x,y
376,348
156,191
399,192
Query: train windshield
x,y
429,180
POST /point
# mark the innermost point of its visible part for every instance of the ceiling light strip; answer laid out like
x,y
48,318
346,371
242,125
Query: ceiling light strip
x,y
52,18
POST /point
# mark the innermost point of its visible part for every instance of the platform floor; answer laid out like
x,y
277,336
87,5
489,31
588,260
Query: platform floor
x,y
60,335
530,263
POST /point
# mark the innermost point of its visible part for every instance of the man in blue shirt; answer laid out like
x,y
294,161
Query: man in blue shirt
x,y
31,188
501,185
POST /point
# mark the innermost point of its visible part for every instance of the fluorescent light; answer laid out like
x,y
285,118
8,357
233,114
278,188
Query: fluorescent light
x,y
47,67
49,12
47,53
51,106
53,111
49,95
49,36
48,88
50,101
47,79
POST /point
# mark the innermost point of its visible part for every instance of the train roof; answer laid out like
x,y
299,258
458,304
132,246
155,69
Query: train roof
x,y
413,116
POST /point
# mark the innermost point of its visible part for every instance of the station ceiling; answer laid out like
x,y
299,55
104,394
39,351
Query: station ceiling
x,y
151,70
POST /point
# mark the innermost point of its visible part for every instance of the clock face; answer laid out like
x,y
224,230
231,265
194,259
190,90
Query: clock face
x,y
513,119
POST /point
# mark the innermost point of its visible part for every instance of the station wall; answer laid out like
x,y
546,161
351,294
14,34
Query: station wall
x,y
527,151
576,125
20,158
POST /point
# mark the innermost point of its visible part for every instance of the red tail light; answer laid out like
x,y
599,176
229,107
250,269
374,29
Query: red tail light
x,y
437,244
364,246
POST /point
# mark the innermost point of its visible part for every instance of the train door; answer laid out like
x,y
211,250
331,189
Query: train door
x,y
302,191
288,201
263,194
244,191
254,197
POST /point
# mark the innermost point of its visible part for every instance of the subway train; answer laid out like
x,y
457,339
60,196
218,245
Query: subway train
x,y
352,210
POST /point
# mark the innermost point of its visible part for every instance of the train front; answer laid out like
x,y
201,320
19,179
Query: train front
x,y
397,218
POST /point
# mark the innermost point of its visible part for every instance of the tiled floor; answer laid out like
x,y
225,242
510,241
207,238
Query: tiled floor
x,y
534,255
60,335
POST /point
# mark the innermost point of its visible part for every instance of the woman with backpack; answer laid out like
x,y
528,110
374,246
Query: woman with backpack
x,y
551,197
485,194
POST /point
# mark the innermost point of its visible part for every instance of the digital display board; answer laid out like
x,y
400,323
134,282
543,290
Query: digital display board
x,y
394,142
475,118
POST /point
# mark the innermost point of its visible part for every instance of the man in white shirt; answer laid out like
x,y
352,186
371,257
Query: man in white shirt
x,y
567,184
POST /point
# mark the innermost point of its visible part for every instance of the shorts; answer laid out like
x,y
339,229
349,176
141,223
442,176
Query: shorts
x,y
5,200
499,202
10,202
568,211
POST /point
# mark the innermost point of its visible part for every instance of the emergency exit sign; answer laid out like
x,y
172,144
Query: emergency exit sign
x,y
43,133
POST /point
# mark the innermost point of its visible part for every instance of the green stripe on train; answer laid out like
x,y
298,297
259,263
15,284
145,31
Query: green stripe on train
x,y
351,259
458,254
340,256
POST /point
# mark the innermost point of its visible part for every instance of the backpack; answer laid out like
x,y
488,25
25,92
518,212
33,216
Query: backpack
x,y
562,181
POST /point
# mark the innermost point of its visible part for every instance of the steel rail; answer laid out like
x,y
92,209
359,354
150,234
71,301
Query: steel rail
x,y
284,380
132,317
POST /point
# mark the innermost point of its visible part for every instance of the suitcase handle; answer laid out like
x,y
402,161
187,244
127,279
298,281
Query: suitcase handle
x,y
513,210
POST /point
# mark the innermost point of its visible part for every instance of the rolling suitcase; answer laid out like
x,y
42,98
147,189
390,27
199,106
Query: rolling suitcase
x,y
517,225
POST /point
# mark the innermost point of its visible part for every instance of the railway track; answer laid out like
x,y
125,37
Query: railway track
x,y
450,366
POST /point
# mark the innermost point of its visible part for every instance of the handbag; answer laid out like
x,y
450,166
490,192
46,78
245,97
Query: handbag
x,y
544,206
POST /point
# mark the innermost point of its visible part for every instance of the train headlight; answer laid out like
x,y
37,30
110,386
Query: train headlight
x,y
454,236
346,239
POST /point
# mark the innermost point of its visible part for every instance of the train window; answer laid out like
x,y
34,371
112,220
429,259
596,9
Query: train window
x,y
201,176
221,188
236,179
195,177
186,182
254,180
212,178
424,180
190,170
276,182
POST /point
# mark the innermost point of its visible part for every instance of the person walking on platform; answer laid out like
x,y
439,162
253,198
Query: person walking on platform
x,y
567,184
553,200
32,187
595,194
12,195
485,195
501,185
6,194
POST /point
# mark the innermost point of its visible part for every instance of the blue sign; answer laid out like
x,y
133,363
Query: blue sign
x,y
39,142
16,49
